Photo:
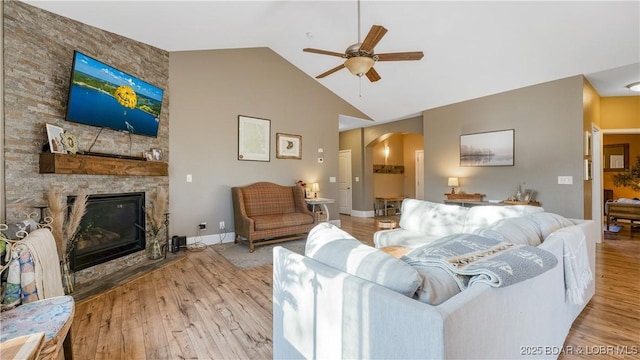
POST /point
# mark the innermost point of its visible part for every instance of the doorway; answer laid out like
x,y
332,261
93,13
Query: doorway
x,y
344,182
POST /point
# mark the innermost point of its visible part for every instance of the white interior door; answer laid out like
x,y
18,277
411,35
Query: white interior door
x,y
344,182
420,174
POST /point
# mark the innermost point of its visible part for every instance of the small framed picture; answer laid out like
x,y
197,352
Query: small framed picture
x,y
148,155
70,142
156,154
529,195
54,133
288,146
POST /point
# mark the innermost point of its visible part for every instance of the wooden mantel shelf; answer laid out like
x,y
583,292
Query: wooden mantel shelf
x,y
97,165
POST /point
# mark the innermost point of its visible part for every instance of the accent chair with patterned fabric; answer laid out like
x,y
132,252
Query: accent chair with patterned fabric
x,y
267,213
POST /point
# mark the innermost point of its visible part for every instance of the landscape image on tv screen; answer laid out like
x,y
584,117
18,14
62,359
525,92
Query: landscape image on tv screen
x,y
101,95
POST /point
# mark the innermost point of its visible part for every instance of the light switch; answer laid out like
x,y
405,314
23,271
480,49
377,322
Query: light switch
x,y
332,179
189,178
320,150
565,180
357,179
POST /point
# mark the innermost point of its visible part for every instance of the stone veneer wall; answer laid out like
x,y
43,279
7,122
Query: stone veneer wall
x,y
38,50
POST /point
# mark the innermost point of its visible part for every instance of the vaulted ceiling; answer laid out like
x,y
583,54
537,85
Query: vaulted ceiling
x,y
472,48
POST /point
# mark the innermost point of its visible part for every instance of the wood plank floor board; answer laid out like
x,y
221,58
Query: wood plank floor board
x,y
111,338
86,327
202,307
179,341
133,333
156,342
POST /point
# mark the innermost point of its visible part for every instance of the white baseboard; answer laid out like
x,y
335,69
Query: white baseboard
x,y
212,239
363,214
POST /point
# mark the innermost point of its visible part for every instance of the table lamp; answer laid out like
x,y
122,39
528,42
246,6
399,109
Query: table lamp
x,y
315,188
453,182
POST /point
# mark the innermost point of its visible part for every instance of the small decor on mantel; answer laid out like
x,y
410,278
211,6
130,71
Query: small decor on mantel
x,y
65,230
156,220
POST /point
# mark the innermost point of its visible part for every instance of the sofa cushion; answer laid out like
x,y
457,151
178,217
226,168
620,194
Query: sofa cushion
x,y
268,222
549,222
353,257
431,218
481,216
518,230
401,237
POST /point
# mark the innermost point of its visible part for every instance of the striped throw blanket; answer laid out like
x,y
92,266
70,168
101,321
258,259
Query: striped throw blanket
x,y
476,259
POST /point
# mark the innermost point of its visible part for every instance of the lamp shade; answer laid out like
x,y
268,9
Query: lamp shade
x,y
359,65
453,181
315,187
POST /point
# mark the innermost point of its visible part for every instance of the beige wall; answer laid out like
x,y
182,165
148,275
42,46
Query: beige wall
x,y
209,89
548,123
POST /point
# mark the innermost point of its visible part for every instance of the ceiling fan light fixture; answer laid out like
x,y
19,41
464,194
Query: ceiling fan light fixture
x,y
634,86
359,65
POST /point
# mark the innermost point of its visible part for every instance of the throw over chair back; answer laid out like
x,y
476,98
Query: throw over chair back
x,y
41,306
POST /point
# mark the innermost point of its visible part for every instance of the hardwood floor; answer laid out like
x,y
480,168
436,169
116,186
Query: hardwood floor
x,y
202,307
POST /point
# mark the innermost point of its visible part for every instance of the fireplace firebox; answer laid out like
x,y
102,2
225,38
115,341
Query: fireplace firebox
x,y
114,226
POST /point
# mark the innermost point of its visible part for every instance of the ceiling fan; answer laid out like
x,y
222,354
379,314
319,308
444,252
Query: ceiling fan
x,y
361,56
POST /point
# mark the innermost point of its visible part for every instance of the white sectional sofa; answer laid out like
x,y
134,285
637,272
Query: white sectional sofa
x,y
424,221
344,299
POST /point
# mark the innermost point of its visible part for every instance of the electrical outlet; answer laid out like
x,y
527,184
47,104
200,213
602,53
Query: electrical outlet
x,y
222,225
202,226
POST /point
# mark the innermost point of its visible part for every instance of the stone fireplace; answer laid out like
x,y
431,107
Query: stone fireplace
x,y
38,53
112,227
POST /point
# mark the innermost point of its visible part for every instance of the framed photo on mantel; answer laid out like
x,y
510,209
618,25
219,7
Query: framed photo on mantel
x,y
54,134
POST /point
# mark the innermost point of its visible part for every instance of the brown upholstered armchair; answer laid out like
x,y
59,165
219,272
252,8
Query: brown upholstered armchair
x,y
267,213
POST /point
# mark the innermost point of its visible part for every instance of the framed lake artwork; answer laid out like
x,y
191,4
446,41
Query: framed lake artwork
x,y
493,148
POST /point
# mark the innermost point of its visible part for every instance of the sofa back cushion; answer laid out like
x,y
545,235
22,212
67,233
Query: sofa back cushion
x,y
549,222
517,230
329,245
266,198
481,216
432,218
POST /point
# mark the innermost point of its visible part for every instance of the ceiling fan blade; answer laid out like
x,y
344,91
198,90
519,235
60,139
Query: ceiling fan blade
x,y
415,55
373,75
323,52
373,37
329,72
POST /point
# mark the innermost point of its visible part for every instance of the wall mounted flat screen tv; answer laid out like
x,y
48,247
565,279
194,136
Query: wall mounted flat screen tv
x,y
103,96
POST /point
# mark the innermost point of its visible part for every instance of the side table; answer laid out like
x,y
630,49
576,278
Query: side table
x,y
313,202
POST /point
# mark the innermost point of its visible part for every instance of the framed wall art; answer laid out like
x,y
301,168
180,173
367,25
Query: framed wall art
x,y
54,134
494,148
288,146
254,139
